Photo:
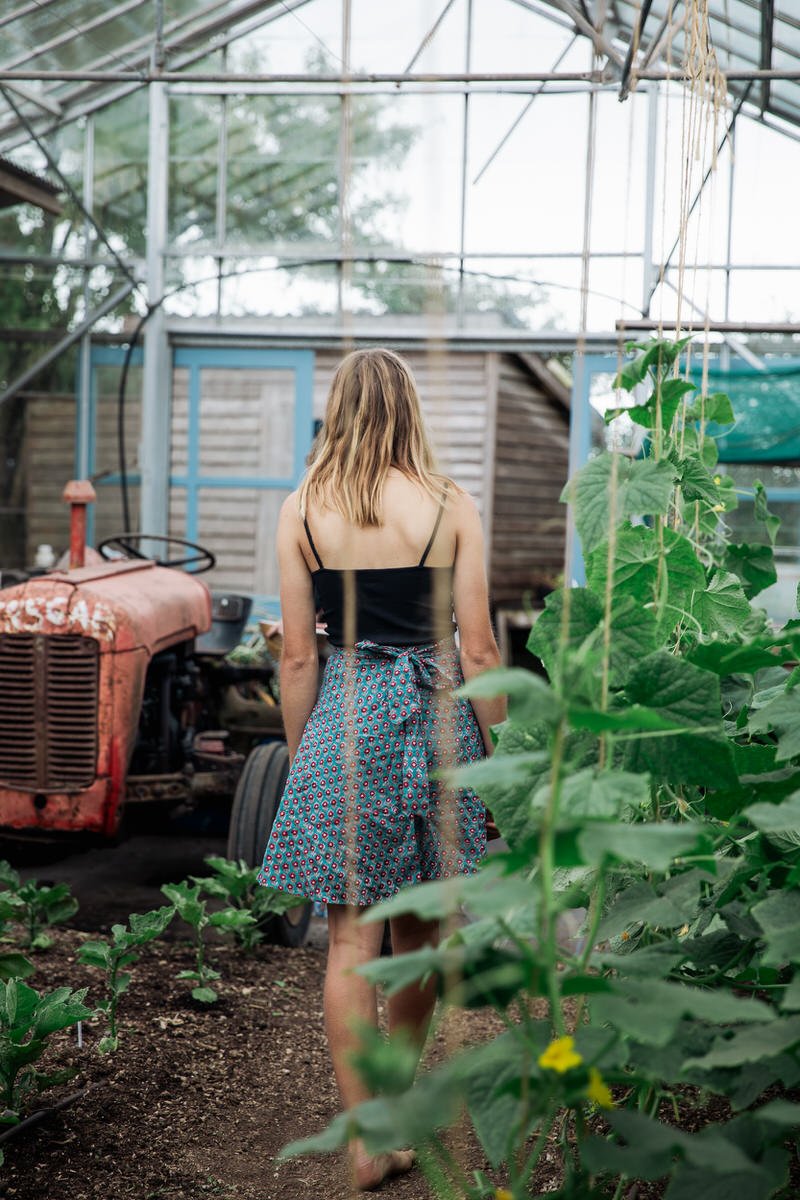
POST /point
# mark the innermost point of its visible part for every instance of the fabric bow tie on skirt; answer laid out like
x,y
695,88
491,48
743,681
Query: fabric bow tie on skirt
x,y
417,668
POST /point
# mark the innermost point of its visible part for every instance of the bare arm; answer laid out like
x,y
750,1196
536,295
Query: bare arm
x,y
477,645
299,669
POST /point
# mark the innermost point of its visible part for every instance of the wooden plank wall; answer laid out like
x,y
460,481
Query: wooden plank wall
x,y
531,464
48,461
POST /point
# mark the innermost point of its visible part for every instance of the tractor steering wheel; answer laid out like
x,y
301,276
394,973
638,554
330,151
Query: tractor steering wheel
x,y
124,542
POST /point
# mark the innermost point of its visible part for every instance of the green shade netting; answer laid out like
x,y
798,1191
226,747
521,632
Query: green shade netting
x,y
767,409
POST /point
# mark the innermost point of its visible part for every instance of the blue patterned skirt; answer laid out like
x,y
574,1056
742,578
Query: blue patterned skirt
x,y
361,815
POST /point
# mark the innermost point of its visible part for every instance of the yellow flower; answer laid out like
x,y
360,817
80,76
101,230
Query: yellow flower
x,y
718,508
598,1090
560,1056
625,935
502,1194
717,480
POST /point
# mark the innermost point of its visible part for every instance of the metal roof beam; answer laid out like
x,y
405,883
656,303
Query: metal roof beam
x,y
38,98
633,48
599,41
767,33
260,13
62,39
25,11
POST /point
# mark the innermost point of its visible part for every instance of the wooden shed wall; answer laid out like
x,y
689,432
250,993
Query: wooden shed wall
x,y
530,469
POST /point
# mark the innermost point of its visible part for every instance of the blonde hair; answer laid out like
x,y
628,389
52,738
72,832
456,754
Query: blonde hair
x,y
373,421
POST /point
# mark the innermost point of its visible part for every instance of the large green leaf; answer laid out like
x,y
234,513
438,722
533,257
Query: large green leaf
x,y
649,1010
653,845
678,691
59,1009
643,487
779,917
530,697
781,713
641,903
751,1045
733,657
722,607
780,823
603,795
753,564
495,1111
636,570
585,614
697,482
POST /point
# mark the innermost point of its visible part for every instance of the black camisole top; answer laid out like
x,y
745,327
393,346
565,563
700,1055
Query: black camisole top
x,y
394,606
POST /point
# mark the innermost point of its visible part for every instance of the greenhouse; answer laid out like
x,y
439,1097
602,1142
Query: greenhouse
x,y
562,233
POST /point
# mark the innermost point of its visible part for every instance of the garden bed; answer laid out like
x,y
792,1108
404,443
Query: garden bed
x,y
199,1099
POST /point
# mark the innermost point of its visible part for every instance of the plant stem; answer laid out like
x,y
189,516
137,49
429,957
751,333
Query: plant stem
x,y
547,923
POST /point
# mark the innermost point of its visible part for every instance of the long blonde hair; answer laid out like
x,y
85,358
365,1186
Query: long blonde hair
x,y
373,421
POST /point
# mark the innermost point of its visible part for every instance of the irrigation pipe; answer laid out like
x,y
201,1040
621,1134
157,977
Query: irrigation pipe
x,y
41,1113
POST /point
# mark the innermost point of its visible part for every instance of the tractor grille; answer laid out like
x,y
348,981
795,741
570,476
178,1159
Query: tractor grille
x,y
48,711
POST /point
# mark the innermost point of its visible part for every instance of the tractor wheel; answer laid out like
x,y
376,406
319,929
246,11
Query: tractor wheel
x,y
255,804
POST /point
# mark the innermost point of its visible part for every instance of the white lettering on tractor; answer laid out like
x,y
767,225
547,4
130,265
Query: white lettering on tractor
x,y
42,614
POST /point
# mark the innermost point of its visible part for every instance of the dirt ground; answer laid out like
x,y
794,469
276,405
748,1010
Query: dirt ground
x,y
198,1099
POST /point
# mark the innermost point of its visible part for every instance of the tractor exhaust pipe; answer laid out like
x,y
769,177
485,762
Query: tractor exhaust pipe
x,y
78,494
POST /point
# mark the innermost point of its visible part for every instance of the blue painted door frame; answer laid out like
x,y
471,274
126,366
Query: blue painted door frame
x,y
195,359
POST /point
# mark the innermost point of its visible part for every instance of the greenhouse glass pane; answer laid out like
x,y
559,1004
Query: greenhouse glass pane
x,y
507,37
282,175
405,176
120,170
194,123
260,289
306,42
536,295
531,196
192,286
386,37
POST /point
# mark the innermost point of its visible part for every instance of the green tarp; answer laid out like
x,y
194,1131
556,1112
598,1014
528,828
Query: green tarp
x,y
767,409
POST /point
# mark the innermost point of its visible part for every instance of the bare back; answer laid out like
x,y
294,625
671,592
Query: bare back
x,y
409,516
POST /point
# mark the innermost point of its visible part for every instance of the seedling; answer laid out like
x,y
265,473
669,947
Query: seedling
x,y
192,909
114,955
27,1018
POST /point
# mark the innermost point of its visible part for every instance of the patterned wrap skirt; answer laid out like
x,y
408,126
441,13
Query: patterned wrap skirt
x,y
362,814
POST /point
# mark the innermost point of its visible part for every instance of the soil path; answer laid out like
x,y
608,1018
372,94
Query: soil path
x,y
199,1099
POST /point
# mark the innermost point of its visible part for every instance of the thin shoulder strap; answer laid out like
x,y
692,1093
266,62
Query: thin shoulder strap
x,y
311,541
426,551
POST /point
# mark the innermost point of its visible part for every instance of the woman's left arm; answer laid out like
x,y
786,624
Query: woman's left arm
x,y
299,668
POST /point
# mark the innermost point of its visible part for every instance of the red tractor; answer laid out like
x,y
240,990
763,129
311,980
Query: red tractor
x,y
115,690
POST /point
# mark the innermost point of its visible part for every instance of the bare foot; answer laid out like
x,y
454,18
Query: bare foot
x,y
370,1173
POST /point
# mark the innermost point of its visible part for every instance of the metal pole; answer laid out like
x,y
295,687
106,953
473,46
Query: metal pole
x,y
462,236
649,199
83,465
726,356
222,186
580,412
155,438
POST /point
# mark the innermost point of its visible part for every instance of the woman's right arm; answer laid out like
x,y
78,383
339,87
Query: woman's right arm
x,y
477,646
299,666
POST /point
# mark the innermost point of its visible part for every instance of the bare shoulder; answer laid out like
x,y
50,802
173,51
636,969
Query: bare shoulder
x,y
463,508
290,509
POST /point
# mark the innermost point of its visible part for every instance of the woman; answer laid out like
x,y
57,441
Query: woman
x,y
361,816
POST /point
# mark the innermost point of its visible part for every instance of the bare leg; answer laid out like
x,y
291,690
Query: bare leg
x,y
348,999
412,1008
